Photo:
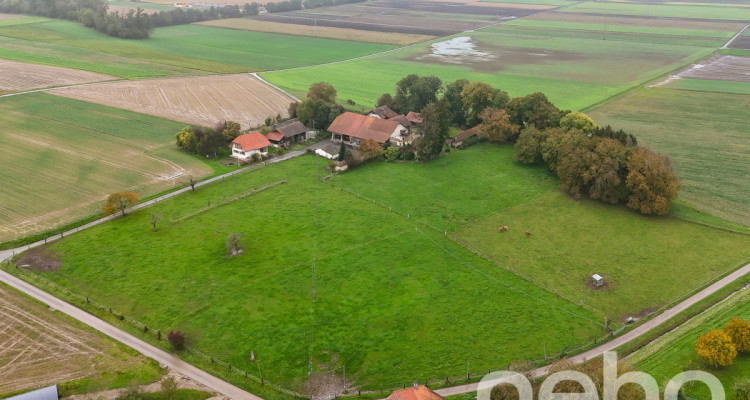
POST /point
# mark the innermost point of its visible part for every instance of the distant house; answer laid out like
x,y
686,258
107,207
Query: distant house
x,y
414,117
382,112
244,146
401,119
457,140
292,131
353,129
417,392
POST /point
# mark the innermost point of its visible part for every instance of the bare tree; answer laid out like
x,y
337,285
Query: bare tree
x,y
155,217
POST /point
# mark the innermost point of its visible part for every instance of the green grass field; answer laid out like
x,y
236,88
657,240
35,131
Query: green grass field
x,y
675,351
61,157
574,73
542,2
395,301
705,85
735,12
171,51
704,133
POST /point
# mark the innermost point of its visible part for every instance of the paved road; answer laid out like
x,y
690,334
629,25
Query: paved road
x,y
627,337
146,349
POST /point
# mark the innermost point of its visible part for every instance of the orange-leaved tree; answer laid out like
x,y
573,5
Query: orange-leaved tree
x,y
370,149
119,202
716,348
739,330
651,181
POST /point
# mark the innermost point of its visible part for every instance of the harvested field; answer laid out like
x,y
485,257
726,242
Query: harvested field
x,y
18,76
631,21
203,100
742,42
39,347
433,18
717,67
356,35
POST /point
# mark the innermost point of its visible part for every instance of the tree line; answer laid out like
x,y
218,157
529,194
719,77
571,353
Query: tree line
x,y
137,24
205,141
604,163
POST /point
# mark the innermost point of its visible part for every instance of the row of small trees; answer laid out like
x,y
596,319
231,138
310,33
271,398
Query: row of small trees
x,y
207,141
719,347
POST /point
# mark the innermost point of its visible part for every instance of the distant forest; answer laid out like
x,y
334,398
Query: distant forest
x,y
136,24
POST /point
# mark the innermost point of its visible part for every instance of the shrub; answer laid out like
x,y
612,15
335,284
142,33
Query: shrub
x,y
176,340
716,349
739,330
742,389
256,157
392,153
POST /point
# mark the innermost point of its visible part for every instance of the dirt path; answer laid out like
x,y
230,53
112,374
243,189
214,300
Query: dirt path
x,y
627,337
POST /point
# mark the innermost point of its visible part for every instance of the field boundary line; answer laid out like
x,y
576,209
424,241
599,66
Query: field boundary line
x,y
727,44
227,201
259,78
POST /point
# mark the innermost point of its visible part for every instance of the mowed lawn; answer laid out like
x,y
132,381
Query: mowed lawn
x,y
171,51
61,158
394,301
573,72
704,133
675,351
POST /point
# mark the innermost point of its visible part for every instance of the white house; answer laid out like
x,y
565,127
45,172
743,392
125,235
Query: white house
x,y
244,146
354,129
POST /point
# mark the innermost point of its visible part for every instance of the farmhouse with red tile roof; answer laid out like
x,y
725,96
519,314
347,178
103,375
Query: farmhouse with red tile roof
x,y
382,112
420,392
414,117
353,129
244,146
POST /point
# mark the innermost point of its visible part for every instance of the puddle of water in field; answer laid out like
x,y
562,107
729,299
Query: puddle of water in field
x,y
459,50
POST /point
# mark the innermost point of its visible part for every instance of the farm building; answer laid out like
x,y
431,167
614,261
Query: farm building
x,y
457,140
353,129
417,392
289,132
382,112
244,146
414,117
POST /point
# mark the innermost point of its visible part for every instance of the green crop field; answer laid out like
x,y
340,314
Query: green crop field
x,y
143,5
706,85
542,2
171,51
675,352
61,157
574,73
395,301
704,133
732,12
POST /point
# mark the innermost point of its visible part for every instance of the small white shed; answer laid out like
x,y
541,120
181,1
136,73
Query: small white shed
x,y
598,280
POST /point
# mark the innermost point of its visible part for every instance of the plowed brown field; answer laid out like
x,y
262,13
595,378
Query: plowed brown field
x,y
203,100
18,76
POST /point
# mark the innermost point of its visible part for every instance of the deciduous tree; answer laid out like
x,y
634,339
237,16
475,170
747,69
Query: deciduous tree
x,y
739,330
651,181
187,140
477,96
370,149
231,130
496,126
528,147
578,120
533,109
119,202
234,244
385,100
322,91
414,92
177,340
716,349
610,171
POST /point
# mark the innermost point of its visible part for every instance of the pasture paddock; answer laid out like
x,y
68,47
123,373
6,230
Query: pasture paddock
x,y
204,100
441,300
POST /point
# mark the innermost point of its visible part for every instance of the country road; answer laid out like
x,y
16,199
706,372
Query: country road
x,y
627,337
